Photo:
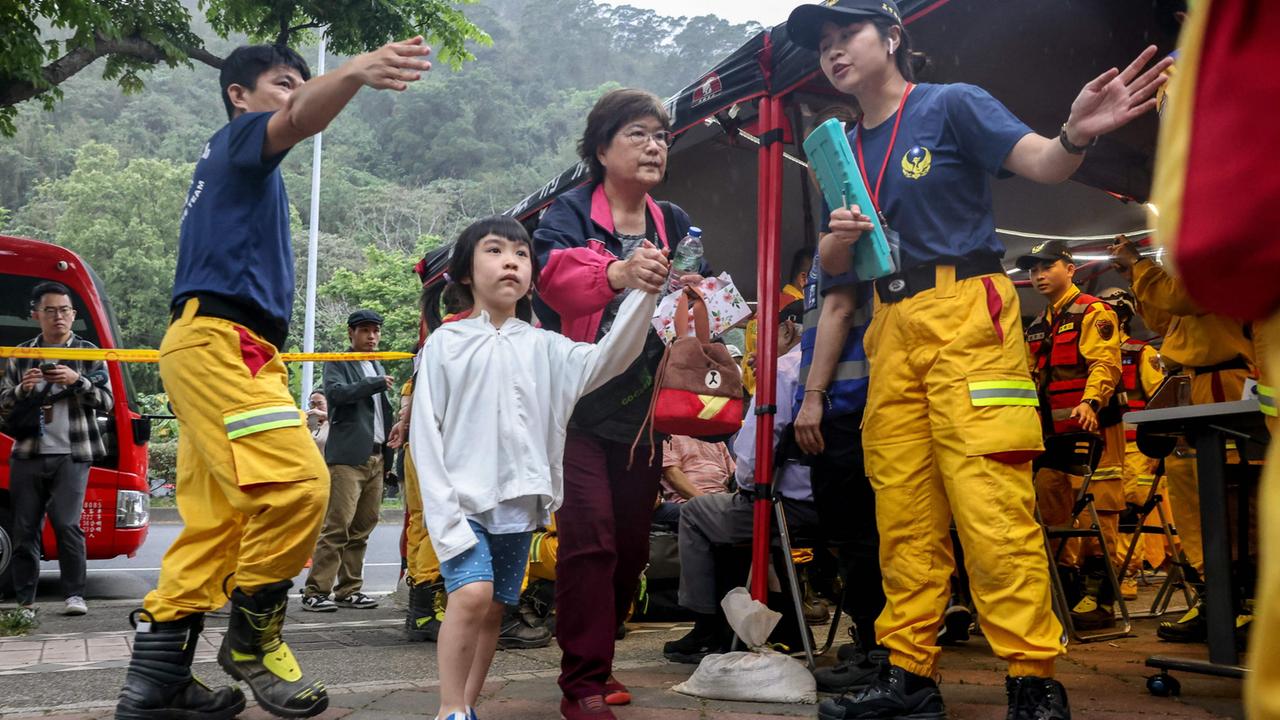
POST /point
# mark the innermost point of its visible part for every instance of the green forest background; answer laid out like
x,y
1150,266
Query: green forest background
x,y
106,173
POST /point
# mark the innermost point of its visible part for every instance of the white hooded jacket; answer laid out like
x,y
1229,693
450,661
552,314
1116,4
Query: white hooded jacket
x,y
490,411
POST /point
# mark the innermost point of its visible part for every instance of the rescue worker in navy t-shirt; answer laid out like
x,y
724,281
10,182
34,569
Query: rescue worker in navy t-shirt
x,y
950,426
252,487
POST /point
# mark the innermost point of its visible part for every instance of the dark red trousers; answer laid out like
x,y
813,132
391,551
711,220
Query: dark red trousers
x,y
603,527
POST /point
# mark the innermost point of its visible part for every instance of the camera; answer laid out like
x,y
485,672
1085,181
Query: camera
x,y
48,367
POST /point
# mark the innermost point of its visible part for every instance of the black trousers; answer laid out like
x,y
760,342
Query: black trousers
x,y
847,519
53,485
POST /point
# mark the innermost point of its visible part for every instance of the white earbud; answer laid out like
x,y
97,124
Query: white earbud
x,y
892,46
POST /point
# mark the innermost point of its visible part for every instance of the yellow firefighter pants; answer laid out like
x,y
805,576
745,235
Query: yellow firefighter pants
x,y
543,552
252,487
1262,686
1180,468
1139,475
949,432
424,566
1056,494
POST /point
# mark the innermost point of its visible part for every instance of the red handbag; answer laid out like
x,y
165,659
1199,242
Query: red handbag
x,y
699,386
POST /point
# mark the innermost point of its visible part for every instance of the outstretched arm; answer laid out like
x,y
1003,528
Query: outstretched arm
x,y
313,106
1109,102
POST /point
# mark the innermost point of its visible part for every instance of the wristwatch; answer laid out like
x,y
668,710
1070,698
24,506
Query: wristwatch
x,y
1071,147
1093,403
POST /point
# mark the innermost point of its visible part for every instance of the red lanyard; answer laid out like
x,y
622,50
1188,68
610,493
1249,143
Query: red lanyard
x,y
893,138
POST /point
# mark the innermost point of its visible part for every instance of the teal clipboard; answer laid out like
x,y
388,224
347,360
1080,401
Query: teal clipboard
x,y
831,160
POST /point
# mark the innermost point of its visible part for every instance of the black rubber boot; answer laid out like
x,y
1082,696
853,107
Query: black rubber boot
x,y
253,651
426,612
1190,628
895,695
159,684
708,636
538,605
1036,698
516,634
854,673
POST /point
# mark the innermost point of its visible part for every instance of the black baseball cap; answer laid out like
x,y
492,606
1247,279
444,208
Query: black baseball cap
x,y
1046,252
793,311
804,26
364,317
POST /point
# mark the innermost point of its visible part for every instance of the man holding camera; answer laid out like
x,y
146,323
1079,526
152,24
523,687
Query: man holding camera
x,y
50,409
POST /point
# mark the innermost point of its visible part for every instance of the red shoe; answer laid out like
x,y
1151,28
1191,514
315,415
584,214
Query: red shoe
x,y
615,693
587,708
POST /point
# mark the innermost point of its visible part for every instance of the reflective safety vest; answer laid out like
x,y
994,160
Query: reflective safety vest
x,y
1267,400
1062,371
1131,381
847,390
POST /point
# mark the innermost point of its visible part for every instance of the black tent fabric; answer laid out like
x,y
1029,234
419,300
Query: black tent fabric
x,y
1033,55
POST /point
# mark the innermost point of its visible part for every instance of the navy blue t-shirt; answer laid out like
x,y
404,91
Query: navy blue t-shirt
x,y
937,187
235,239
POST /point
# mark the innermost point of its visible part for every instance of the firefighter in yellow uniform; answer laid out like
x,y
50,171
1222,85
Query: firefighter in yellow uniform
x,y
1074,348
1141,374
426,587
252,487
1216,353
1262,687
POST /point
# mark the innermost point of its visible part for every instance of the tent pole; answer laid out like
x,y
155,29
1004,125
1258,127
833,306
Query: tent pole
x,y
769,220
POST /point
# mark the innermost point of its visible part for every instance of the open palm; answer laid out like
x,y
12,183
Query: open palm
x,y
1116,97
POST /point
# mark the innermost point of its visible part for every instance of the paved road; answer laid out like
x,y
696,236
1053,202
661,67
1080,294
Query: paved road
x,y
124,578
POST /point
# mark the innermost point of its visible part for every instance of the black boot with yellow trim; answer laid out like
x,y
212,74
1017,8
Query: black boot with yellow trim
x,y
254,651
159,684
425,616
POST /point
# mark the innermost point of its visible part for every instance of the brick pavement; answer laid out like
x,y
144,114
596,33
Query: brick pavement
x,y
1105,682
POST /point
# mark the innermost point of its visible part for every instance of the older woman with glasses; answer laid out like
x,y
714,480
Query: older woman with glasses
x,y
595,244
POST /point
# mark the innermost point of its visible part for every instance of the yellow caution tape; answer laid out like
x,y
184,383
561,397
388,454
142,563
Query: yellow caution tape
x,y
150,356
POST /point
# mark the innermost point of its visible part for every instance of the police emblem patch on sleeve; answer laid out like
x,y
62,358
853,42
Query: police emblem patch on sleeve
x,y
1155,362
1106,328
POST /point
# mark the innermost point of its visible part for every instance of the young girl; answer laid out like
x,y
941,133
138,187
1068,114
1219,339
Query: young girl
x,y
490,409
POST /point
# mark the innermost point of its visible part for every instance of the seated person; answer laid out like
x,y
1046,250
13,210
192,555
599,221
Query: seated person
x,y
690,468
723,518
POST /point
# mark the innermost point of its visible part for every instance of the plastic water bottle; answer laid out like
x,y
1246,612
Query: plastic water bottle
x,y
688,258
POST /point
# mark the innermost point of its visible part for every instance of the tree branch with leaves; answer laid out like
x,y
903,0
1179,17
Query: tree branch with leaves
x,y
44,43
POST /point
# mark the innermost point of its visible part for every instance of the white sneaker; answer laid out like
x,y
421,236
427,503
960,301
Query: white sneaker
x,y
75,606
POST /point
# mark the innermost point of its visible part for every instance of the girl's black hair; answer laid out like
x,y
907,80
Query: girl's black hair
x,y
464,250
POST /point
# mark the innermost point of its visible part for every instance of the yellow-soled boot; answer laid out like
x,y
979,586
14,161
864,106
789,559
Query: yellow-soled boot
x,y
254,651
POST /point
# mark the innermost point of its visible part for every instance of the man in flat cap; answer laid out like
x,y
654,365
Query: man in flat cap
x,y
357,456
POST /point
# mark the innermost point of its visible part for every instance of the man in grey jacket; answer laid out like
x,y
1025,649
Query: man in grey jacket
x,y
359,420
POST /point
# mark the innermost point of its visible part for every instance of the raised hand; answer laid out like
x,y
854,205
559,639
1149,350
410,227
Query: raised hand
x,y
645,270
394,65
1114,98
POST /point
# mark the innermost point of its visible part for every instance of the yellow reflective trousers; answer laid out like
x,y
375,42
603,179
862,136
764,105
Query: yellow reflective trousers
x,y
252,487
424,566
949,432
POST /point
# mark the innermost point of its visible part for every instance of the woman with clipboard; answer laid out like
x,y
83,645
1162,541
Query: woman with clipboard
x,y
950,426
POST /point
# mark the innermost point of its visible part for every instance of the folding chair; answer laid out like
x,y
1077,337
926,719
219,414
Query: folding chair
x,y
1078,454
1176,576
786,450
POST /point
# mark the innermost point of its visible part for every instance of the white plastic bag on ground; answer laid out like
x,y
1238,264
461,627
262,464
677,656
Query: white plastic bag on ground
x,y
757,675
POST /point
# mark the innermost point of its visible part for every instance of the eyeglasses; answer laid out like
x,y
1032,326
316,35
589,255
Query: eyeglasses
x,y
64,311
639,137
